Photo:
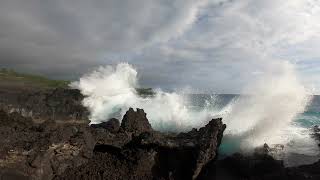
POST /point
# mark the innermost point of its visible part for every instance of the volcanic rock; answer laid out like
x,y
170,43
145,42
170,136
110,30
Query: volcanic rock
x,y
316,133
149,154
41,151
69,150
54,104
257,167
112,125
135,122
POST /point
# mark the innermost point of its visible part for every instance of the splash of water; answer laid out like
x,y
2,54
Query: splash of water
x,y
110,91
257,118
276,99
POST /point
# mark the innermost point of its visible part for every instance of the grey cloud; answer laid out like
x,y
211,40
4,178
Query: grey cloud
x,y
218,45
71,33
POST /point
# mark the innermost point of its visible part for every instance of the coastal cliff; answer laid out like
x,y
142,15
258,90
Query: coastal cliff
x,y
130,150
45,135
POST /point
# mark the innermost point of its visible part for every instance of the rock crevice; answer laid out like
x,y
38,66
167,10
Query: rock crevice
x,y
110,150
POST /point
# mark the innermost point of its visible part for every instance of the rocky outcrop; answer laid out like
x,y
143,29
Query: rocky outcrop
x,y
256,167
316,133
132,150
148,154
112,125
41,151
135,122
54,104
40,140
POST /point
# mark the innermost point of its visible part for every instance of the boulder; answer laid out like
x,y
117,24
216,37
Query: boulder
x,y
54,104
112,125
41,151
149,154
135,122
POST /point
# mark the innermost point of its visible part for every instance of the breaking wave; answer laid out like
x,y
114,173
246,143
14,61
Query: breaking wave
x,y
264,115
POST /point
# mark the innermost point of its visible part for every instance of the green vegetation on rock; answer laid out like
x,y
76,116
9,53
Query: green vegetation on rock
x,y
9,77
12,77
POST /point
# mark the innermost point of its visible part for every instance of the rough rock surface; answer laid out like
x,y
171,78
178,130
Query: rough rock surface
x,y
40,140
132,150
41,150
112,125
135,122
148,154
316,133
56,104
258,167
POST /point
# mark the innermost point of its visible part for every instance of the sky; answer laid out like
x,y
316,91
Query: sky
x,y
208,45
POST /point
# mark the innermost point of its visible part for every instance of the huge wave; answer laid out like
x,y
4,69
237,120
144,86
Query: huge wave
x,y
263,115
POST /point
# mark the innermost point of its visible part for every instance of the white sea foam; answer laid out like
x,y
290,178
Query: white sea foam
x,y
276,99
265,115
112,90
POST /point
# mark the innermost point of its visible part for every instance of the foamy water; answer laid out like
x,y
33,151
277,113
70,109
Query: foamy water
x,y
265,116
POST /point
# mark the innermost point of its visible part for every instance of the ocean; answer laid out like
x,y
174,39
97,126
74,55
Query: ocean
x,y
278,111
300,146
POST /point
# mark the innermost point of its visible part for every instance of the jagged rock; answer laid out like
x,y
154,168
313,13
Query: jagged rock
x,y
316,133
41,151
150,154
55,104
52,150
263,150
112,125
257,167
135,122
304,172
193,149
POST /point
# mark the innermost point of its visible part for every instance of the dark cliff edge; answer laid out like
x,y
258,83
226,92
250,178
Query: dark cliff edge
x,y
130,150
44,104
45,135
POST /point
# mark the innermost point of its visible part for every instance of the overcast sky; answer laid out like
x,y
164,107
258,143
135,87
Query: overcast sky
x,y
216,45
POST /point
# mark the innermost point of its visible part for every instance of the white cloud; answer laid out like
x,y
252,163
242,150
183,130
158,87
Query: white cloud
x,y
210,44
75,31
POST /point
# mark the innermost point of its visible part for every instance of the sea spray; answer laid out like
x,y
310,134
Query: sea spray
x,y
110,91
274,101
263,115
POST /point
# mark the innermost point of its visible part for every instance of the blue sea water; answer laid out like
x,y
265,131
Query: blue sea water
x,y
231,144
311,116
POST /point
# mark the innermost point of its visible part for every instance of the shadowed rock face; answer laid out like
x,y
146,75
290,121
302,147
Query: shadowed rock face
x,y
41,151
54,104
132,150
57,148
316,133
135,122
257,166
136,151
112,125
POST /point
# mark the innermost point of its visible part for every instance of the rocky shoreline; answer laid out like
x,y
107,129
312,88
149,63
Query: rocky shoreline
x,y
45,135
132,150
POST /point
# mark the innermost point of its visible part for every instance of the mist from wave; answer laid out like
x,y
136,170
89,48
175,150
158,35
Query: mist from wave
x,y
267,115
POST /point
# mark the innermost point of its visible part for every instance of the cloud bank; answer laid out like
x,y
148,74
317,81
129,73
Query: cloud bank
x,y
214,45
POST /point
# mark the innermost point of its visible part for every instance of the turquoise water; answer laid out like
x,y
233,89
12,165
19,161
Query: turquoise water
x,y
306,120
231,144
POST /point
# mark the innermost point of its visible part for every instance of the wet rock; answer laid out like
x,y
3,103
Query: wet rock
x,y
257,167
112,125
41,151
54,104
53,150
135,122
149,154
254,167
304,172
